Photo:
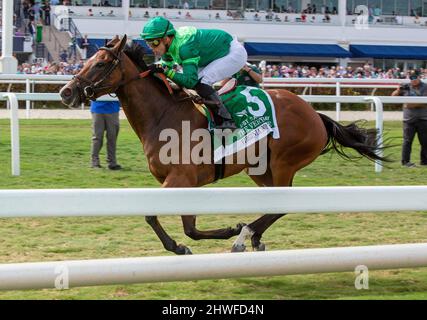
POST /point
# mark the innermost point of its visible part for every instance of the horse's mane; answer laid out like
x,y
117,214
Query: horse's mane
x,y
136,53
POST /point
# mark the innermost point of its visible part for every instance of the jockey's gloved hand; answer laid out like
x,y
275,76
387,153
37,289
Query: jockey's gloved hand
x,y
156,68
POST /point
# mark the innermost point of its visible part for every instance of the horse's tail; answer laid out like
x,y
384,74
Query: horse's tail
x,y
364,141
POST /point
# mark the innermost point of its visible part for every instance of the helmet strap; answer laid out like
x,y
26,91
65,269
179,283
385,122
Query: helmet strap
x,y
167,45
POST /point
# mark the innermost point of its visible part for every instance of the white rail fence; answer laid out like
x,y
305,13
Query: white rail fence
x,y
13,99
108,202
192,201
30,80
77,273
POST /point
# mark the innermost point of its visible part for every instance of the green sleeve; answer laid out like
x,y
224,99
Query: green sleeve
x,y
255,68
168,64
188,78
168,61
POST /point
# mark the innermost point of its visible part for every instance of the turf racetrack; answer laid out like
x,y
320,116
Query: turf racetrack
x,y
56,154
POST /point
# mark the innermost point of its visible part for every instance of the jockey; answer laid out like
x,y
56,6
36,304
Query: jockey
x,y
206,56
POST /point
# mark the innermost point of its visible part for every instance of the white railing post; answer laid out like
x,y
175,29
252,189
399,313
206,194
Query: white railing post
x,y
379,126
338,105
27,102
33,90
14,132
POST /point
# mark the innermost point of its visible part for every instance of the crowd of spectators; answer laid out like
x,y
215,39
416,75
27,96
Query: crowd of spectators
x,y
56,68
269,71
303,71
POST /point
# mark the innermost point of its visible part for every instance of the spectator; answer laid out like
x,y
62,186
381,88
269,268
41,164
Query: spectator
x,y
63,56
146,14
217,16
36,10
105,118
84,46
46,10
377,11
73,47
32,30
417,20
188,15
414,119
186,5
111,14
90,12
326,18
303,17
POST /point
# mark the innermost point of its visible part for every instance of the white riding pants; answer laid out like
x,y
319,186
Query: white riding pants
x,y
226,66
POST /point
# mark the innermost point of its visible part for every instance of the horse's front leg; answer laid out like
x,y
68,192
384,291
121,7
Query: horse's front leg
x,y
169,243
166,240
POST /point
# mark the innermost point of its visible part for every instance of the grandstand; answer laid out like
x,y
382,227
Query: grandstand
x,y
384,34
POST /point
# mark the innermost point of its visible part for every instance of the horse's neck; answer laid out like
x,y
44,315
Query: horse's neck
x,y
150,109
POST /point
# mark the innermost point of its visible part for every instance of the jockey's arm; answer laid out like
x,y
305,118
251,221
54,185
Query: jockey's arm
x,y
167,63
189,76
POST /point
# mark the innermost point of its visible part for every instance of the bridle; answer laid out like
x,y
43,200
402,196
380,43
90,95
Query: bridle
x,y
89,88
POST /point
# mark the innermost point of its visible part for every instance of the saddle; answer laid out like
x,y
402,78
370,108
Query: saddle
x,y
182,94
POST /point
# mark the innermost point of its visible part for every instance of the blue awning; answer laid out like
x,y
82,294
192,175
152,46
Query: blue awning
x,y
295,50
101,42
389,52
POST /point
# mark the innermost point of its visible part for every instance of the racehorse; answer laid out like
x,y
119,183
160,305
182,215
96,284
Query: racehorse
x,y
150,108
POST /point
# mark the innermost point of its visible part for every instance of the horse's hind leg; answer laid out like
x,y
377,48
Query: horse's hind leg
x,y
256,228
189,223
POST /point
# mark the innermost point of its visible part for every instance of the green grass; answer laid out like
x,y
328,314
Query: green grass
x,y
56,154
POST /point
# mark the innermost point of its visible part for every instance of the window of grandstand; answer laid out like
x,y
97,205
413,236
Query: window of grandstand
x,y
288,6
391,7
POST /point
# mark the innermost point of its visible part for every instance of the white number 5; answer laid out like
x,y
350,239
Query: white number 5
x,y
253,99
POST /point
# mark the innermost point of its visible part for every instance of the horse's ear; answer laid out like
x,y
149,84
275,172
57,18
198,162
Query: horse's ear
x,y
121,44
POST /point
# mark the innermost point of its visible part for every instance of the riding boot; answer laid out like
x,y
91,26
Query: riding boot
x,y
223,120
222,117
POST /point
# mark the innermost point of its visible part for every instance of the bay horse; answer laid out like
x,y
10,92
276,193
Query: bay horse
x,y
150,108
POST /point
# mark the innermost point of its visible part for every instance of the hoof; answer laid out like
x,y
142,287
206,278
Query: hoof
x,y
181,250
238,248
261,247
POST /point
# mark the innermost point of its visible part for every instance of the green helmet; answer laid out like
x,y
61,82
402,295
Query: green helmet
x,y
157,27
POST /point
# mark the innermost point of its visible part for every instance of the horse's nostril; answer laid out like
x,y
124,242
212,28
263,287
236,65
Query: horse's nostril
x,y
66,92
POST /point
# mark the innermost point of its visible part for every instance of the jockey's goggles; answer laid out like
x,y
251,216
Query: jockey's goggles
x,y
153,43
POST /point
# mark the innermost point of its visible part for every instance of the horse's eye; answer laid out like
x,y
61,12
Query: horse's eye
x,y
100,64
